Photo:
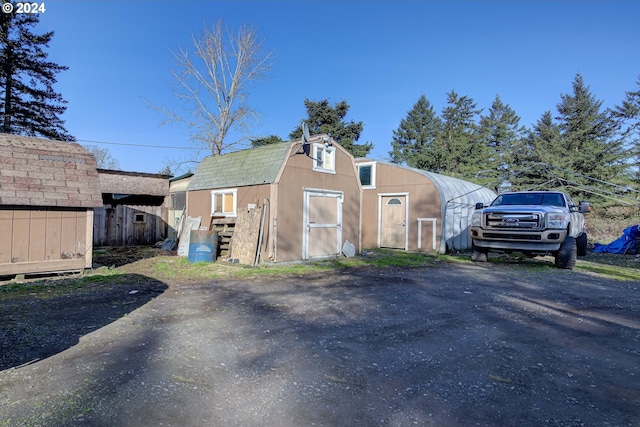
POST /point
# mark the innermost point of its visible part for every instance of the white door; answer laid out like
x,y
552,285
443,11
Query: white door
x,y
322,223
393,222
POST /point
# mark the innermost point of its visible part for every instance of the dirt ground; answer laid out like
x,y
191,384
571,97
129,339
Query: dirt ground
x,y
451,344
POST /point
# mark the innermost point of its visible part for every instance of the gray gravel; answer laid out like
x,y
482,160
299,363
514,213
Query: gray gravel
x,y
446,345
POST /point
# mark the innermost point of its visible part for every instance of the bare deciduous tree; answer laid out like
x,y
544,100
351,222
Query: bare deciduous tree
x,y
103,156
213,80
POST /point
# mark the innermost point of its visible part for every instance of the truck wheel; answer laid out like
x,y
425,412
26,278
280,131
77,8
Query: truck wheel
x,y
581,241
566,255
479,254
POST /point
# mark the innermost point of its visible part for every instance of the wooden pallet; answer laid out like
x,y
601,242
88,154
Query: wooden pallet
x,y
224,226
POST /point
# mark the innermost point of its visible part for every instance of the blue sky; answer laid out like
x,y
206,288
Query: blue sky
x,y
379,56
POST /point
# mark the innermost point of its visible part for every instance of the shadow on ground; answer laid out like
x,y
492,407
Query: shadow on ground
x,y
44,318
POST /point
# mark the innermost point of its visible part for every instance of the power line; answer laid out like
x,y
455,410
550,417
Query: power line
x,y
136,145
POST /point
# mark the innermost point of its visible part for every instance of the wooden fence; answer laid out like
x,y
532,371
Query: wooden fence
x,y
125,225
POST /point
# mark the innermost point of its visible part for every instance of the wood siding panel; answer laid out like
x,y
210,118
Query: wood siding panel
x,y
6,235
53,236
37,234
20,246
119,226
40,240
68,240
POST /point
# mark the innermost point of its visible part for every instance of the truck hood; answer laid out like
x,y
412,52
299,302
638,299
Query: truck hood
x,y
524,209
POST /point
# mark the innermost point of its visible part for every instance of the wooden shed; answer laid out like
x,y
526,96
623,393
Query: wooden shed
x,y
48,190
177,202
310,193
134,208
416,210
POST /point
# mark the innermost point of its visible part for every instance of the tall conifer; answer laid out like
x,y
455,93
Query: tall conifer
x,y
28,103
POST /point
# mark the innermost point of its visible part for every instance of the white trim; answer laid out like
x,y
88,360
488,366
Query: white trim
x,y
224,191
433,228
373,174
406,216
318,164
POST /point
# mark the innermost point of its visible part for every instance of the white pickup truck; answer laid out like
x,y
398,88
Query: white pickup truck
x,y
533,223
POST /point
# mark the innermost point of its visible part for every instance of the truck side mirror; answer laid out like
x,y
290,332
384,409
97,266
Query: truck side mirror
x,y
584,207
479,205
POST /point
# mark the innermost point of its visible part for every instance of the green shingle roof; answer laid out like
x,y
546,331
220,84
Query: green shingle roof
x,y
241,168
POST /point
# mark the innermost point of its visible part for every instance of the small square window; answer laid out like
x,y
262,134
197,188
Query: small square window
x,y
324,158
367,174
224,202
139,218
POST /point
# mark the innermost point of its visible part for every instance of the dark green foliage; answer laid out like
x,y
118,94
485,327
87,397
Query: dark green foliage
x,y
627,115
459,145
415,142
271,139
323,118
500,136
589,135
29,105
581,150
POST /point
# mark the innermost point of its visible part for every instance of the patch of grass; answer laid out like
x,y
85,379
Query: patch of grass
x,y
613,271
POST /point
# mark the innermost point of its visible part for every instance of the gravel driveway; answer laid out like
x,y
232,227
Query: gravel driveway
x,y
452,344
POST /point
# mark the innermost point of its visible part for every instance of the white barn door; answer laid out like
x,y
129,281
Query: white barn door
x,y
322,223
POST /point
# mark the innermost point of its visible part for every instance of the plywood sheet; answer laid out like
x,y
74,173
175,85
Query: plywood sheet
x,y
244,242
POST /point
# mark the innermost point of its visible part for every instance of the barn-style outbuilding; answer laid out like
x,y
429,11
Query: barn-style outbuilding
x,y
309,191
417,210
134,208
48,190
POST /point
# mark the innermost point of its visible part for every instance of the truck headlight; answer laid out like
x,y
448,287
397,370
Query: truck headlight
x,y
556,220
476,219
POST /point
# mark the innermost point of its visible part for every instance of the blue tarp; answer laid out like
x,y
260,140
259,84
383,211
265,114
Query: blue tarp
x,y
623,244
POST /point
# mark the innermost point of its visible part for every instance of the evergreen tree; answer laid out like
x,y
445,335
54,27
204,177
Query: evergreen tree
x,y
500,134
323,118
462,154
542,146
627,115
28,104
415,140
271,139
590,142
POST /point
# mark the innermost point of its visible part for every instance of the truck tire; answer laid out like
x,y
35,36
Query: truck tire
x,y
479,254
581,242
566,255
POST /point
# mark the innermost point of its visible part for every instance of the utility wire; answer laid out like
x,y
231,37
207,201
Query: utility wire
x,y
136,145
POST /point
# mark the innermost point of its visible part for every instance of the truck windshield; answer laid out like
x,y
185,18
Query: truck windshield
x,y
546,199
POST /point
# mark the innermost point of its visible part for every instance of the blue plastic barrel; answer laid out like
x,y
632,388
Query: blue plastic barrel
x,y
203,246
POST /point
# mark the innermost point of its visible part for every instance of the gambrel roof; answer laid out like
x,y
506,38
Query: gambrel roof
x,y
42,172
253,166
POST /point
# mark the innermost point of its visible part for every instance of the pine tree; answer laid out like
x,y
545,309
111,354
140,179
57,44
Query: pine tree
x,y
536,158
323,118
29,105
590,142
415,140
627,115
459,145
267,140
500,133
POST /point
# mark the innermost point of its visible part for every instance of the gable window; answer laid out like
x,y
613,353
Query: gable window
x,y
224,202
324,158
367,174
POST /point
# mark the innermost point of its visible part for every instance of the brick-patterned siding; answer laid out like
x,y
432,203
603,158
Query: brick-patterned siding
x,y
120,182
41,172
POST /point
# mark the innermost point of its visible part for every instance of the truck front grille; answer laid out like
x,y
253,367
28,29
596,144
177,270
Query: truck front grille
x,y
527,237
513,221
